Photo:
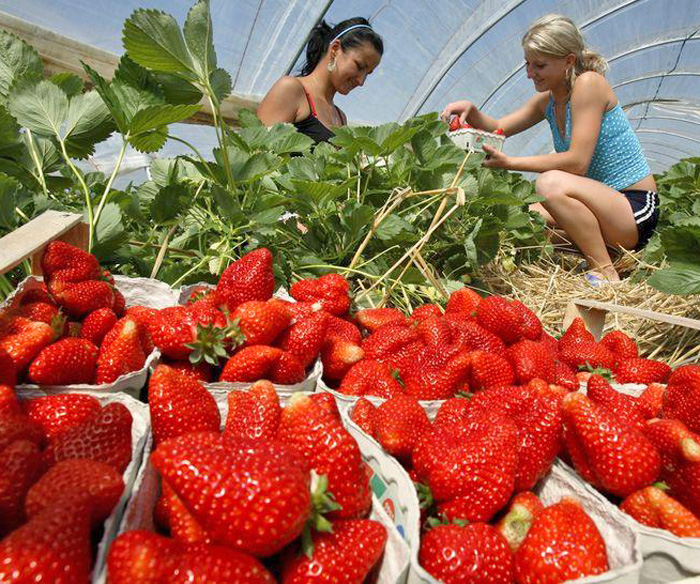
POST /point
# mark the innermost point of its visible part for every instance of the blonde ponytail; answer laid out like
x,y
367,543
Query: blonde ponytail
x,y
591,61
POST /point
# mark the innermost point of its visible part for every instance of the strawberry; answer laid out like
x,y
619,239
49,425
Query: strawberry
x,y
682,398
455,124
40,294
472,337
644,371
253,414
182,525
383,344
619,343
585,353
260,321
100,483
25,340
551,344
531,360
399,423
576,333
425,311
17,426
347,554
330,290
521,513
141,314
122,355
489,370
453,411
372,319
8,375
329,450
249,278
81,298
62,261
251,364
179,404
9,405
650,403
201,371
53,546
208,474
432,378
651,506
40,312
624,407
498,315
20,466
141,557
119,306
66,362
369,377
327,402
565,376
619,458
363,415
338,356
463,301
532,327
288,370
436,334
456,554
105,437
304,338
57,414
97,324
343,329
218,565
562,544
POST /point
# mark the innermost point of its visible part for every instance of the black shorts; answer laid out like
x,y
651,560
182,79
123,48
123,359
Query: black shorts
x,y
645,206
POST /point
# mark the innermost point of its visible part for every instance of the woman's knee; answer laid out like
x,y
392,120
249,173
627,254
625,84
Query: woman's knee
x,y
551,184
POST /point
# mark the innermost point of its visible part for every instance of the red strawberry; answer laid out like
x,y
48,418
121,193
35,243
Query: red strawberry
x,y
456,554
576,333
65,362
338,355
182,525
40,312
329,450
375,318
620,459
342,328
521,513
619,343
121,355
201,371
463,301
261,322
346,555
304,338
62,261
288,370
425,311
651,506
253,414
455,124
179,404
532,327
248,278
586,353
80,298
431,378
363,415
7,369
650,403
489,370
531,360
682,399
40,294
562,544
498,315
141,314
57,414
218,565
9,405
17,426
251,364
472,337
141,557
436,334
550,343
327,402
644,371
330,290
52,547
565,376
105,437
209,473
119,306
399,423
383,344
97,324
25,340
368,377
20,466
98,482
452,412
624,407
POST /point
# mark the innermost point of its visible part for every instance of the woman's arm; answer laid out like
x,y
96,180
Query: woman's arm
x,y
281,104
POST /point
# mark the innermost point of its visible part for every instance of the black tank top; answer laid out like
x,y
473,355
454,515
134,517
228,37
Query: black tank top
x,y
312,126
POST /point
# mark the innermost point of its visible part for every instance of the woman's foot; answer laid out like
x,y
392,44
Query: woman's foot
x,y
598,280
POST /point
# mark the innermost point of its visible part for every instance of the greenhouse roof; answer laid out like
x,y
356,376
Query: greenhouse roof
x,y
436,52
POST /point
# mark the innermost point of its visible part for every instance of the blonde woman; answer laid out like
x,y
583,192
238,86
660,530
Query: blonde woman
x,y
597,186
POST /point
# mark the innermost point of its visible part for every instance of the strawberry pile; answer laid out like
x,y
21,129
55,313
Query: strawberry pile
x,y
61,464
74,328
305,483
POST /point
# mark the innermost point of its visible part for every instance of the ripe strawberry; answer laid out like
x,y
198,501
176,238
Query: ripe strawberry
x,y
7,369
532,327
472,337
97,324
329,450
304,338
463,301
342,328
40,312
260,321
489,370
651,506
399,423
338,356
215,564
253,414
650,403
347,554
25,340
384,343
17,426
248,278
584,353
105,437
551,344
498,315
521,513
624,407
20,466
363,415
98,482
531,360
81,298
456,554
179,404
369,377
644,371
327,402
330,290
208,474
201,371
52,547
436,334
251,364
141,314
65,362
576,333
620,459
562,544
121,355
9,405
619,343
288,370
433,378
141,557
119,306
455,124
62,261
182,525
682,399
425,311
372,319
39,294
453,411
57,414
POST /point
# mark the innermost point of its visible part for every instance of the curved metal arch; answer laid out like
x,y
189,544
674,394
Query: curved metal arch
x,y
652,131
669,118
673,159
646,144
657,76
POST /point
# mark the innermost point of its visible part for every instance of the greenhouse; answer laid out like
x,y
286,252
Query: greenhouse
x,y
349,292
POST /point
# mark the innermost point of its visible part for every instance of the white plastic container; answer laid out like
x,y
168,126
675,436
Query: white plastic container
x,y
473,139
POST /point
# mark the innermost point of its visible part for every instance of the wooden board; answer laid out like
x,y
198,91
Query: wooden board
x,y
29,240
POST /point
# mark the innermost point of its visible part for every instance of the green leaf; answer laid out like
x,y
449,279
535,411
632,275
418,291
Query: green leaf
x,y
109,231
316,192
247,118
155,117
169,202
89,122
392,227
153,39
177,90
677,279
247,167
41,108
8,201
164,171
268,216
228,205
357,218
392,136
681,244
17,60
291,142
221,84
109,96
10,138
70,83
199,38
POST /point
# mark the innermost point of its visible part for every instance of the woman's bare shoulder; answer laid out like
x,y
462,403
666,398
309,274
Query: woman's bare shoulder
x,y
288,86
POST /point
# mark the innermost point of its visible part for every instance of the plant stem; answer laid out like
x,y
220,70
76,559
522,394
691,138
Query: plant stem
x,y
162,251
191,271
194,149
221,132
35,158
86,192
103,200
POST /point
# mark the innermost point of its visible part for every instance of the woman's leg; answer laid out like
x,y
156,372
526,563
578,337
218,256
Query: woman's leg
x,y
591,213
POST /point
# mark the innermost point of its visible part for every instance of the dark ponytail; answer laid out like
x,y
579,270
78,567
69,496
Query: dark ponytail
x,y
322,35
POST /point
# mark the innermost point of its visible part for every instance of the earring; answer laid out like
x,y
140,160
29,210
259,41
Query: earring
x,y
331,65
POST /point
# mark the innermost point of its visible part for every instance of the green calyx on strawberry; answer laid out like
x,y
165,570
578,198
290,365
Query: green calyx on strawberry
x,y
322,503
211,341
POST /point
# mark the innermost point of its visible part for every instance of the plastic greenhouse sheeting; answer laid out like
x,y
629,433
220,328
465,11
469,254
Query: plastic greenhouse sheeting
x,y
437,52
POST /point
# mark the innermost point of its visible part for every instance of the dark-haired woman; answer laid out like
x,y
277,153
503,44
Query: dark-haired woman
x,y
338,59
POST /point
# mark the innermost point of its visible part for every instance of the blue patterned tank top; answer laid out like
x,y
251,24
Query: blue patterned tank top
x,y
618,160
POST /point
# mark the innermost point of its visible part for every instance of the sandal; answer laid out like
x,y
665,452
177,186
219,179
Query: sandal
x,y
596,280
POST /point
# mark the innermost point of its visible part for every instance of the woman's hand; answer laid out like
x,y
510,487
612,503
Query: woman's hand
x,y
461,109
494,158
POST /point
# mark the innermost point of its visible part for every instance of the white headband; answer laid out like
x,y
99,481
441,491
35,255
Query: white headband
x,y
354,26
